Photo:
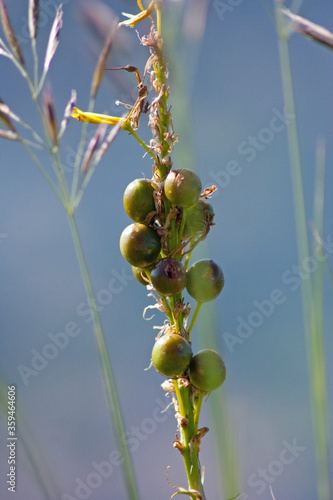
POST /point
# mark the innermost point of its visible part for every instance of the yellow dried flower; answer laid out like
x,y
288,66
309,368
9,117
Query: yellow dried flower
x,y
132,21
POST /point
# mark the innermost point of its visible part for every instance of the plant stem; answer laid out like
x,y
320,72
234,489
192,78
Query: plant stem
x,y
194,317
108,378
311,314
188,438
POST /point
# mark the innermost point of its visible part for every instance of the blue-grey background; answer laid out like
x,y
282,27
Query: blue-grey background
x,y
231,80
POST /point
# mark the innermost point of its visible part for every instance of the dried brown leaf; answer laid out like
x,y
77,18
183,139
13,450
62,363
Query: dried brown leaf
x,y
53,42
33,18
10,33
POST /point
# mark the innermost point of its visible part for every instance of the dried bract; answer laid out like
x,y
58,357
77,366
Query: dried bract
x,y
33,18
9,32
309,29
8,134
92,147
5,115
68,112
53,42
50,118
100,66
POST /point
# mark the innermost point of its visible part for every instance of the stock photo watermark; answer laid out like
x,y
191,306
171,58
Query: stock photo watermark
x,y
261,480
249,148
102,470
47,11
225,7
264,308
3,236
57,342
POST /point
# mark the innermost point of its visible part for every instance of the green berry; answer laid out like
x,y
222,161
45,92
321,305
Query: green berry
x,y
198,219
168,276
139,273
139,199
207,370
204,280
182,187
140,245
171,355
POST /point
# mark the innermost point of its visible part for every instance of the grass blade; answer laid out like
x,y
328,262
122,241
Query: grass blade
x,y
314,337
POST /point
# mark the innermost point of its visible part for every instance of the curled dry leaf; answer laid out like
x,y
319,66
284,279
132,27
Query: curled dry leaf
x,y
10,33
33,18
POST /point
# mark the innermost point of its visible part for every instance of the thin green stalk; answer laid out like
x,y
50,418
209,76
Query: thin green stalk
x,y
42,170
134,134
108,378
189,441
194,317
19,66
78,158
314,336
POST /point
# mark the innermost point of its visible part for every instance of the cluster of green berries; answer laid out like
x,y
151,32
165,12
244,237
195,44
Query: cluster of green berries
x,y
169,221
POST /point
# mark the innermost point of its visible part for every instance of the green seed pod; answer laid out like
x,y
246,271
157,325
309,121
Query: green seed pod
x,y
139,199
140,245
168,276
182,187
198,219
171,355
138,275
207,370
204,280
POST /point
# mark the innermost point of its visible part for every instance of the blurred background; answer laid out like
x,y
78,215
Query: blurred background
x,y
228,111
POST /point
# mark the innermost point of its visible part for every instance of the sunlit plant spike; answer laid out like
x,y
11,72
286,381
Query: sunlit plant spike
x,y
50,118
309,29
53,39
3,52
9,32
8,134
5,116
139,17
33,18
67,113
92,147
